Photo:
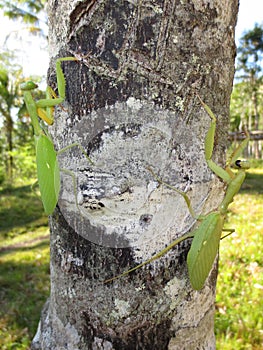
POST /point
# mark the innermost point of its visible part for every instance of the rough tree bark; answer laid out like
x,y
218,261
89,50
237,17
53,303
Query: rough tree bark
x,y
132,103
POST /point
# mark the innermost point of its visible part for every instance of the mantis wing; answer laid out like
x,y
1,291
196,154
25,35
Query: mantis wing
x,y
47,172
204,249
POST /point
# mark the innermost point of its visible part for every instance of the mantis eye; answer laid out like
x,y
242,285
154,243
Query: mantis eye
x,y
241,164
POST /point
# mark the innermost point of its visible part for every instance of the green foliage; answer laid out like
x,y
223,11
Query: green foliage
x,y
16,137
2,175
9,88
242,108
239,106
26,10
9,100
25,165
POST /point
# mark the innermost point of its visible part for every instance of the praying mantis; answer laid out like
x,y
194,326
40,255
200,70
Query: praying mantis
x,y
48,172
206,238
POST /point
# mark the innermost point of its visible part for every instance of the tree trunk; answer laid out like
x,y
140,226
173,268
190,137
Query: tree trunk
x,y
132,104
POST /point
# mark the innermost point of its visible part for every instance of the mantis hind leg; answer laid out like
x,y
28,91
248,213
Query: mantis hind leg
x,y
71,173
76,144
74,181
183,194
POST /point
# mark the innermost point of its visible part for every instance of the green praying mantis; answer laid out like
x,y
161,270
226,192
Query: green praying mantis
x,y
206,237
48,171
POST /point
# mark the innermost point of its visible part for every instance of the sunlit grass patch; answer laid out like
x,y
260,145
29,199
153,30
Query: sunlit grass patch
x,y
24,271
24,265
239,315
21,210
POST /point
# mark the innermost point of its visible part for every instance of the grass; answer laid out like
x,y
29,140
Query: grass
x,y
24,268
239,301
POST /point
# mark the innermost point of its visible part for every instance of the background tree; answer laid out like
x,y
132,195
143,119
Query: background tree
x,y
249,75
26,10
16,135
16,142
8,100
131,102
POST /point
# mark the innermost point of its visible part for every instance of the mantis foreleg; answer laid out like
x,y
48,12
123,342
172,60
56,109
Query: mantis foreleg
x,y
46,155
51,99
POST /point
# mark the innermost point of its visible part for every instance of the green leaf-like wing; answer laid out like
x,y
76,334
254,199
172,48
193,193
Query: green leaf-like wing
x,y
204,249
47,172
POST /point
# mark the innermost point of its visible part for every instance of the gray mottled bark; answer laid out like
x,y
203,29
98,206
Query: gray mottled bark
x,y
132,104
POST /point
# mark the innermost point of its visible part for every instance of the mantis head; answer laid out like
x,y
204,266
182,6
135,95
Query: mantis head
x,y
28,85
241,164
